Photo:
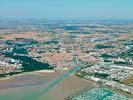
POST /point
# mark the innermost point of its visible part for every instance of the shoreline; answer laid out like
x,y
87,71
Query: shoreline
x,y
62,88
26,73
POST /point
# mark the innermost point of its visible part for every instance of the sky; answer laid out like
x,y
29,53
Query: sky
x,y
67,9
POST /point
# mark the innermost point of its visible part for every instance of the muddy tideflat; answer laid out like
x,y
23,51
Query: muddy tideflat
x,y
25,86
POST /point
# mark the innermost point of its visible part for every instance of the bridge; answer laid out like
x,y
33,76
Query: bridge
x,y
35,95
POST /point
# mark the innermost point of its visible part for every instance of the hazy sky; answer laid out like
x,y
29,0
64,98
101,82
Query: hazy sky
x,y
80,9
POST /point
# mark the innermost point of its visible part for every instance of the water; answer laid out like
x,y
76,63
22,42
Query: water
x,y
35,94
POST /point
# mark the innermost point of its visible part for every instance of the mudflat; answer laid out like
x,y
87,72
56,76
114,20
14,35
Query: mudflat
x,y
66,88
26,86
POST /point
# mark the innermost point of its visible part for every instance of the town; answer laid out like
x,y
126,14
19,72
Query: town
x,y
104,48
